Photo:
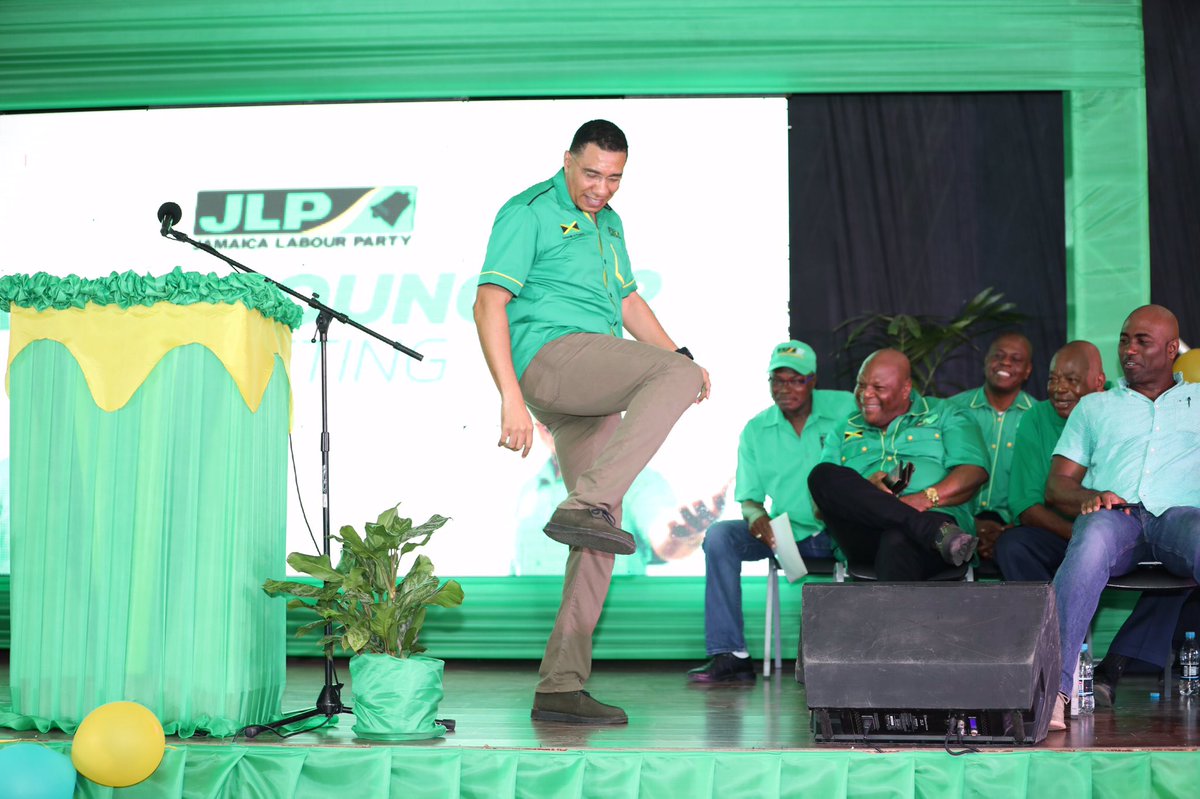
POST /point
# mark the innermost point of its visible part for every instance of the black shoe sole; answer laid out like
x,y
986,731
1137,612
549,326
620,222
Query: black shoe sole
x,y
571,718
733,679
616,543
963,555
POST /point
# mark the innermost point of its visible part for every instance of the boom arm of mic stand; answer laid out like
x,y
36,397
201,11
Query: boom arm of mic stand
x,y
310,301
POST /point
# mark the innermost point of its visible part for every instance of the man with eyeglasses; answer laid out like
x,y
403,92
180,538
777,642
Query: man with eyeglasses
x,y
775,452
912,531
555,293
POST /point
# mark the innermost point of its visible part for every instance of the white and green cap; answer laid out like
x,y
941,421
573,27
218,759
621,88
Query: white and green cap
x,y
794,355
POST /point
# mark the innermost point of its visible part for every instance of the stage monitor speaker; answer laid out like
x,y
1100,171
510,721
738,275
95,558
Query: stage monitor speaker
x,y
914,662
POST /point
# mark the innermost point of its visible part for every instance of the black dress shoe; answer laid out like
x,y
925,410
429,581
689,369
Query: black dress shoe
x,y
724,668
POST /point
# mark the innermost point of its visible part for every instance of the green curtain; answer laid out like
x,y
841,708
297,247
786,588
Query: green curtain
x,y
432,772
145,535
110,53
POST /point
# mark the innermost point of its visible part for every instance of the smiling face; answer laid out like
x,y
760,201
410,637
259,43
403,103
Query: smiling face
x,y
883,387
1007,364
593,176
1148,345
1075,371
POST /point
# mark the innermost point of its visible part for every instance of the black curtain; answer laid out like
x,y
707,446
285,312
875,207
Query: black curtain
x,y
1172,31
914,203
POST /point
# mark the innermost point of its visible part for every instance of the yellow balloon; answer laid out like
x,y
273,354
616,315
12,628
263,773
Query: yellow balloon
x,y
1188,365
118,744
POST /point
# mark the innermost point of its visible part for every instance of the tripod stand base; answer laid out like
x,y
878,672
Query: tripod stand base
x,y
329,704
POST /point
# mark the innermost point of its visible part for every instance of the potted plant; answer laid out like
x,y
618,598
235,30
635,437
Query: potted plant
x,y
379,617
928,340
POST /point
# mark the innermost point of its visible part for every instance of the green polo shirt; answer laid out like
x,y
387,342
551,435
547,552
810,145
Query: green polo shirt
x,y
774,462
933,436
1036,437
567,272
999,431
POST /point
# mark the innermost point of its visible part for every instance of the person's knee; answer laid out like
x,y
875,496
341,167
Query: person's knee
x,y
819,476
721,538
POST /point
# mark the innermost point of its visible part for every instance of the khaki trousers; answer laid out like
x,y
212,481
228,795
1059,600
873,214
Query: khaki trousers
x,y
579,386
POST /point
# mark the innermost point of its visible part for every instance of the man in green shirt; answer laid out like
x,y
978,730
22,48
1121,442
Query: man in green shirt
x,y
997,407
1034,550
915,534
777,449
555,291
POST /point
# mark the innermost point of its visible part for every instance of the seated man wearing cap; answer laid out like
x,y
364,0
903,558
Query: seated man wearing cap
x,y
920,529
775,452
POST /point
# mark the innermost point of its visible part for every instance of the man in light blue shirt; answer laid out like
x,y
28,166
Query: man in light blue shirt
x,y
1128,462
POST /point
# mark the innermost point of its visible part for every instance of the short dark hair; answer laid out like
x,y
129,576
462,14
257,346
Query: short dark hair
x,y
601,133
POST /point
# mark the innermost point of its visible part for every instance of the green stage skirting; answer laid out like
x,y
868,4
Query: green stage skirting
x,y
402,772
510,618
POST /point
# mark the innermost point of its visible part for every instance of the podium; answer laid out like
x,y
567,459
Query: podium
x,y
148,449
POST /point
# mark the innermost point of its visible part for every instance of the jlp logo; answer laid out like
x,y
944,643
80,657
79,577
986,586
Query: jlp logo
x,y
272,211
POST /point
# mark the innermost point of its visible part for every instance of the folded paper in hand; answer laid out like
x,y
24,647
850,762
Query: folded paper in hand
x,y
786,552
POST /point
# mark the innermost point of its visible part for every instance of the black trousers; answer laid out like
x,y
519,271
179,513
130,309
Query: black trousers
x,y
871,526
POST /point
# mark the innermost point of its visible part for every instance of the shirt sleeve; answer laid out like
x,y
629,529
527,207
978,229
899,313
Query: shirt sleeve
x,y
1075,443
832,451
748,480
511,249
963,442
1030,467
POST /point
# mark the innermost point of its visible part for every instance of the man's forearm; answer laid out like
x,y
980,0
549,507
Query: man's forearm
x,y
751,510
960,484
491,320
1066,494
642,324
1041,516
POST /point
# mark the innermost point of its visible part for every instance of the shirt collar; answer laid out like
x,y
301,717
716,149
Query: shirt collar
x,y
1124,384
918,406
979,400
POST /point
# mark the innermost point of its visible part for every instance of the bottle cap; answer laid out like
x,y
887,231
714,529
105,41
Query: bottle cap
x,y
1155,696
1189,635
1083,648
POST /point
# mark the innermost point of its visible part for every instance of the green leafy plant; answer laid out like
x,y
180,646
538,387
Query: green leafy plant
x,y
928,341
370,610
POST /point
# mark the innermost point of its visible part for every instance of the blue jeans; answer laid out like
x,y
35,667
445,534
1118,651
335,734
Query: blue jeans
x,y
1029,554
1107,543
726,545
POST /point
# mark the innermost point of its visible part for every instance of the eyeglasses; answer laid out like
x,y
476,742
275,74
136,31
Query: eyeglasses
x,y
791,382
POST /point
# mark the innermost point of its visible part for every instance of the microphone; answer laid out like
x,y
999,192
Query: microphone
x,y
169,214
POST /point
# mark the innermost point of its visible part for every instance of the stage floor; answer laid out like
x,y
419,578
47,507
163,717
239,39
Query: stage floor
x,y
490,701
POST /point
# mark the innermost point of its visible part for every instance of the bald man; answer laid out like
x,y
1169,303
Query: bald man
x,y
922,529
1128,463
1033,550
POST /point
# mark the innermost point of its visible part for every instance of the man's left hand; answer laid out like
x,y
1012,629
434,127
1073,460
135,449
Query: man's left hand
x,y
706,389
987,531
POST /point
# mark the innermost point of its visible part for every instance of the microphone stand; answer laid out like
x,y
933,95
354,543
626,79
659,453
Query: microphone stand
x,y
329,702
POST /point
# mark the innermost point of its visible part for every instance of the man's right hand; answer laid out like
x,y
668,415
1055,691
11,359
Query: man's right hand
x,y
761,529
877,481
1100,500
516,427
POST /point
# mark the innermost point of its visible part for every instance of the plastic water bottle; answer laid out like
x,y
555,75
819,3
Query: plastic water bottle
x,y
1083,682
1189,666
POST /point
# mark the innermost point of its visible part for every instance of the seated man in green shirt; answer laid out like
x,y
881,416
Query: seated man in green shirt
x,y
915,535
997,407
777,449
